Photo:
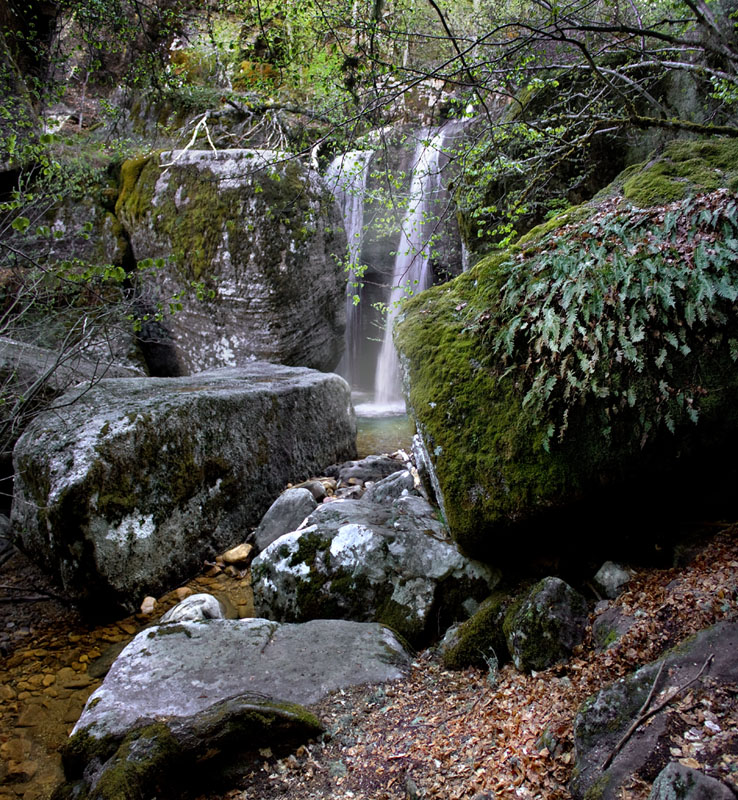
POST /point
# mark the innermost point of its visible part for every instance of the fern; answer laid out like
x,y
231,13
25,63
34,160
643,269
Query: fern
x,y
619,303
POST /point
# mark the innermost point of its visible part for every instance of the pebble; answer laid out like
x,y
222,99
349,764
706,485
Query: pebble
x,y
31,716
128,628
238,555
183,592
148,605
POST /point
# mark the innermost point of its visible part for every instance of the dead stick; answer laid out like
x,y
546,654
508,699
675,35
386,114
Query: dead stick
x,y
643,714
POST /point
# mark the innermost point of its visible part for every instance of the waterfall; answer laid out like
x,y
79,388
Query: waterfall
x,y
411,273
346,178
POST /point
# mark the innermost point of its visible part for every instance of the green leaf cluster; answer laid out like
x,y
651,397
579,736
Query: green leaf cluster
x,y
621,313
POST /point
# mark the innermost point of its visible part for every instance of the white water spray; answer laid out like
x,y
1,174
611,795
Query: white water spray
x,y
346,178
411,273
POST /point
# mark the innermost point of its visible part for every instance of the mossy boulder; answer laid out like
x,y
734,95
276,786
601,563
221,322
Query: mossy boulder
x,y
480,639
544,626
255,235
141,479
683,168
389,562
592,360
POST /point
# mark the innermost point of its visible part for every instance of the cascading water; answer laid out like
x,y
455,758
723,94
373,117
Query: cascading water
x,y
346,177
411,273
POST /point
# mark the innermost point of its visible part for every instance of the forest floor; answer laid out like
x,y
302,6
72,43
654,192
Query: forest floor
x,y
435,734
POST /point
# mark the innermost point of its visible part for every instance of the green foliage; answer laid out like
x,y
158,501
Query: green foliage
x,y
610,312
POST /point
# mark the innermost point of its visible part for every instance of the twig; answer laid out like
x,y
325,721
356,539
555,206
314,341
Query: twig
x,y
645,714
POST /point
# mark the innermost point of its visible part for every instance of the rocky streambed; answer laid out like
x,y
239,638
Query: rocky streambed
x,y
52,661
442,722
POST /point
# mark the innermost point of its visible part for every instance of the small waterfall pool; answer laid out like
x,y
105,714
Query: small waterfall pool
x,y
381,428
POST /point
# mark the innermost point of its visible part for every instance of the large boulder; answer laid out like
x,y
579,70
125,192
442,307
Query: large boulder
x,y
554,378
387,562
125,493
259,236
183,690
604,718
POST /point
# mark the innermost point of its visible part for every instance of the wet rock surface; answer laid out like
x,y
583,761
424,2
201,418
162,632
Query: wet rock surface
x,y
141,479
51,660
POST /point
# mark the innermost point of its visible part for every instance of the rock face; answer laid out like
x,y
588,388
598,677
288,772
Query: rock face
x,y
387,562
604,718
259,231
181,690
545,625
143,478
514,406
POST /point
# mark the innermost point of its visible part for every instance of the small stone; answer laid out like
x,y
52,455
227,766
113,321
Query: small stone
x,y
183,592
32,716
7,693
239,554
70,679
148,605
21,771
49,680
128,628
15,749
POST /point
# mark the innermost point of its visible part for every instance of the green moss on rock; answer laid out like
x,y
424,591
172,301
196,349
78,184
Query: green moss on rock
x,y
481,636
497,465
684,168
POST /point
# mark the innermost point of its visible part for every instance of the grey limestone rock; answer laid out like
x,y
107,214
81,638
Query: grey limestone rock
x,y
183,690
611,579
285,514
391,487
677,782
195,608
259,230
355,559
371,468
141,479
609,626
544,626
181,669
